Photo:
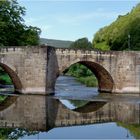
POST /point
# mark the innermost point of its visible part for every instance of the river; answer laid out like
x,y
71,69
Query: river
x,y
74,112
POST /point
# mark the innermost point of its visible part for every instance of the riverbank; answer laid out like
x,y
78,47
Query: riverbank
x,y
89,81
82,75
4,78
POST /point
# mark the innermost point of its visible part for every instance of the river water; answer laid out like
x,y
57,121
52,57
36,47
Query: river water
x,y
74,112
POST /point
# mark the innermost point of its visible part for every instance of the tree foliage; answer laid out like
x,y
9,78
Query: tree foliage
x,y
4,78
15,133
81,43
118,35
134,129
13,31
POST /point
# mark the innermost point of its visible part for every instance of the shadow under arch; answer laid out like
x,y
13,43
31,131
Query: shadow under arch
x,y
8,102
13,75
90,107
105,80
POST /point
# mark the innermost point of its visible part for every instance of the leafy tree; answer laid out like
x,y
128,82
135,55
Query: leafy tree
x,y
13,31
117,35
83,75
4,78
81,43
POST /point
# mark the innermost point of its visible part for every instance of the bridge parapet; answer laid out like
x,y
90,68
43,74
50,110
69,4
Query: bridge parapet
x,y
76,122
85,51
10,49
10,124
82,51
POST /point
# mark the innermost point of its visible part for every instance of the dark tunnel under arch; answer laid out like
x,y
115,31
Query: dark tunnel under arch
x,y
14,77
105,81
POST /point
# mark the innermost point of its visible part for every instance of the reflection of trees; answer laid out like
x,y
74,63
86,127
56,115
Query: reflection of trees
x,y
90,107
7,101
86,106
134,129
2,98
15,133
78,103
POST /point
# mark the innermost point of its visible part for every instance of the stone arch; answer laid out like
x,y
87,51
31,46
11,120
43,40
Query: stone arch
x,y
13,75
90,107
105,80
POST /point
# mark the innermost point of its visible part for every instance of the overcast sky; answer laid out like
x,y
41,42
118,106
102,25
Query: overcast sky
x,y
73,19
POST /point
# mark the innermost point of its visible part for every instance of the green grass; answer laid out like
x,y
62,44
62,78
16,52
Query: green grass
x,y
134,129
89,81
5,79
83,75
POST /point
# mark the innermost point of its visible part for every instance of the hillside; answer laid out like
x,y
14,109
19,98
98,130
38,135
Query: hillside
x,y
122,34
55,43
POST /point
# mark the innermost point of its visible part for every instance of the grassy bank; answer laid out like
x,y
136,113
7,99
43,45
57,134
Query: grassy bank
x,y
83,75
89,81
4,78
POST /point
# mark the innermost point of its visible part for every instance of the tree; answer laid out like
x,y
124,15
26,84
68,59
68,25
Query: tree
x,y
13,31
117,35
81,43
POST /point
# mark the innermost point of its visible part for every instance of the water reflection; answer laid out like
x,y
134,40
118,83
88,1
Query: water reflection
x,y
68,87
83,106
33,114
73,104
70,114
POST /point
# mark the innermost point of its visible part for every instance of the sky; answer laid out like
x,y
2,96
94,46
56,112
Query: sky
x,y
73,19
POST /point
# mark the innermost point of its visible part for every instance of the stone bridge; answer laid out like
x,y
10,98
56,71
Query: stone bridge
x,y
35,69
41,113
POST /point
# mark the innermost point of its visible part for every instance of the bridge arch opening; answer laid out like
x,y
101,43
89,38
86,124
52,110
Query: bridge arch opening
x,y
105,81
11,78
82,106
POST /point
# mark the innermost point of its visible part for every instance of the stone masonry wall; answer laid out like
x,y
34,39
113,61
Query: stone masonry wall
x,y
35,69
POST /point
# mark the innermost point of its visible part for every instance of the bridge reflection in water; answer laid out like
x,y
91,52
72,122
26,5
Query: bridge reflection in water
x,y
42,113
